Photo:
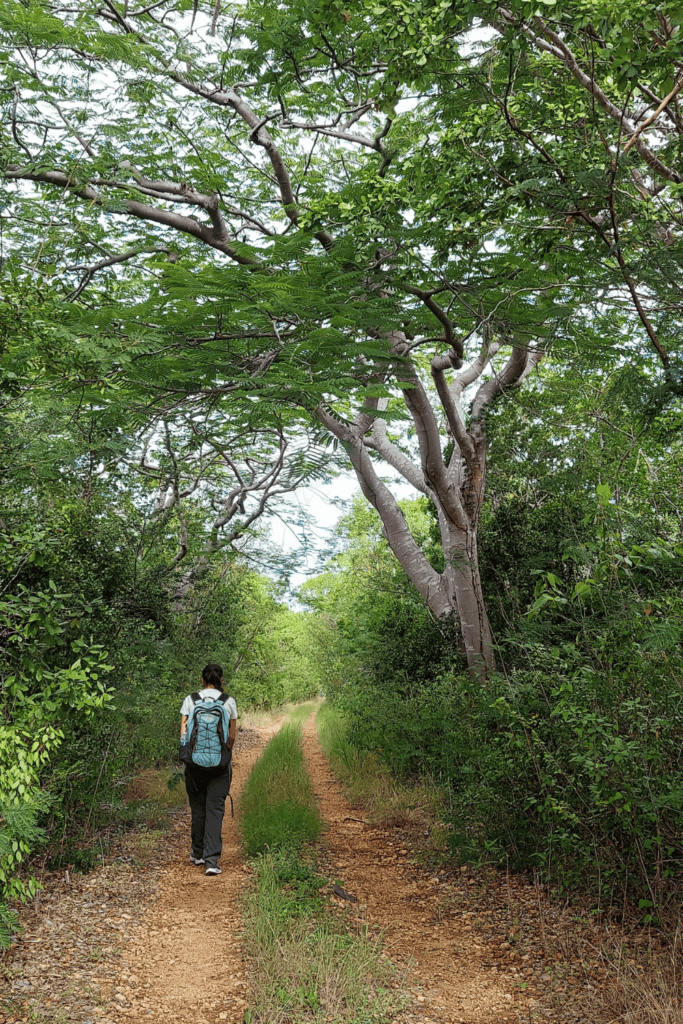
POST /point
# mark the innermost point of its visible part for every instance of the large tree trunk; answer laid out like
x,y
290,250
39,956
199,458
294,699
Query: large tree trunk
x,y
455,488
464,583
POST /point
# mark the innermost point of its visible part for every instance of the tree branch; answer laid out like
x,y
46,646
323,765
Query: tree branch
x,y
402,543
519,365
449,335
563,53
168,218
261,137
393,455
646,124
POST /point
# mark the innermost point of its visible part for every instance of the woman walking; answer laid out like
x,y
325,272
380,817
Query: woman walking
x,y
207,754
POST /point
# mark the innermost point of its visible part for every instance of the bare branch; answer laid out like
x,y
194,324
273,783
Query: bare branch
x,y
474,371
449,400
519,365
393,455
214,19
334,133
646,124
182,541
449,335
562,52
261,137
399,537
120,258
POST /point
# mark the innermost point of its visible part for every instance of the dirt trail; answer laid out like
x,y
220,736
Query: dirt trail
x,y
186,958
176,953
442,959
150,940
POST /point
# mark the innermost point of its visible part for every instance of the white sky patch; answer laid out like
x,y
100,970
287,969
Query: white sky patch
x,y
325,504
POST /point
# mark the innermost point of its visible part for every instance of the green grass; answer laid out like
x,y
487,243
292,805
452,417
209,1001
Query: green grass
x,y
301,712
333,737
369,783
259,718
278,809
310,962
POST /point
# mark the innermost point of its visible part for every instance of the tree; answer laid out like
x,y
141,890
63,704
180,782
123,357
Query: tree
x,y
369,623
339,257
569,81
229,472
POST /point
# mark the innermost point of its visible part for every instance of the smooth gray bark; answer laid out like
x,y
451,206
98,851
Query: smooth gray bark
x,y
455,488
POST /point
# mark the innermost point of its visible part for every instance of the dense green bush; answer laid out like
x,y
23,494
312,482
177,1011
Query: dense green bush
x,y
274,662
53,681
567,772
518,539
570,760
371,624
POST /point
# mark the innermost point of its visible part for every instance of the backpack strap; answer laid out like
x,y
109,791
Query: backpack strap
x,y
196,697
224,698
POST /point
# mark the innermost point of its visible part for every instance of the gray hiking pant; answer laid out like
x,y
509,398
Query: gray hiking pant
x,y
207,789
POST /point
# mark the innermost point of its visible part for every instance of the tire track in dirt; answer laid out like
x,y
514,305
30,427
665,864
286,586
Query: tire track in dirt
x,y
442,961
185,960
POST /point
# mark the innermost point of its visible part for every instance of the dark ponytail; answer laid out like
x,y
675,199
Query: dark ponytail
x,y
212,676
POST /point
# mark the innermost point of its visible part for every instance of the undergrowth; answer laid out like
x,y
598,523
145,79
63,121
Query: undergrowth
x,y
148,807
369,782
278,807
644,980
309,959
263,718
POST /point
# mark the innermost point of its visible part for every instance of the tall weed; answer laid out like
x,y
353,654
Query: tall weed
x,y
368,781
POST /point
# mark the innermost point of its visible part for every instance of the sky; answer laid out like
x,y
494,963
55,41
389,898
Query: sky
x,y
325,503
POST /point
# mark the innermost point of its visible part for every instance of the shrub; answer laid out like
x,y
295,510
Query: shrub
x,y
546,771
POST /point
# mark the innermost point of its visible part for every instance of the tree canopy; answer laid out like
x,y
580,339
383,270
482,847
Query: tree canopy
x,y
288,209
243,246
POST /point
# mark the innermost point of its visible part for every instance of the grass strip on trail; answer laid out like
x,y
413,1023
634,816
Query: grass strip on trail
x,y
306,962
278,808
309,959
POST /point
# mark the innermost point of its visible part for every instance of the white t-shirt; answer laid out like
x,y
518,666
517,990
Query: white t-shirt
x,y
209,691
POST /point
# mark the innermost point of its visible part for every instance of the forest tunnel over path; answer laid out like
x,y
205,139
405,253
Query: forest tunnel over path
x,y
444,974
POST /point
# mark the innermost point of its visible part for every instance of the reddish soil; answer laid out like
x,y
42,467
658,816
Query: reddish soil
x,y
441,958
197,970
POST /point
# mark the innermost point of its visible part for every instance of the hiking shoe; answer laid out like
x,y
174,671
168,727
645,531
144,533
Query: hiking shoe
x,y
213,870
196,860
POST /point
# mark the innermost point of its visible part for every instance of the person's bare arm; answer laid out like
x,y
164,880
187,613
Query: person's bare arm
x,y
232,733
183,724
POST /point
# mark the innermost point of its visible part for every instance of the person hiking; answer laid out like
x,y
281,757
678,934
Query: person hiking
x,y
206,750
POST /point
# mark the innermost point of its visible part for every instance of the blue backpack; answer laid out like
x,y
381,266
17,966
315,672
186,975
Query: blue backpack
x,y
205,743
